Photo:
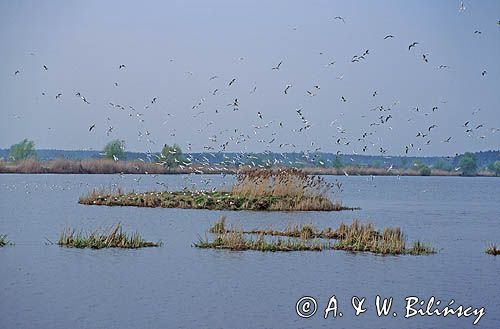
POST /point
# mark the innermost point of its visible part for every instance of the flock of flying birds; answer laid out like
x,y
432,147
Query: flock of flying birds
x,y
221,140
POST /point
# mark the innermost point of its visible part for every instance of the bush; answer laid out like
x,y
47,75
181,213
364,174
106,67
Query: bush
x,y
115,150
22,150
424,170
337,163
468,164
171,156
494,167
442,165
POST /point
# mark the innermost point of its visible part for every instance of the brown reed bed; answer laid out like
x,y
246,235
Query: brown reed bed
x,y
284,190
234,239
88,166
356,237
237,241
493,250
374,171
107,166
114,238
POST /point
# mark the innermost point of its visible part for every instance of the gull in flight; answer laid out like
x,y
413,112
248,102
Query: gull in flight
x,y
462,7
277,67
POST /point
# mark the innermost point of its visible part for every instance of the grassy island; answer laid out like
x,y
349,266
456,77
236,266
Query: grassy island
x,y
355,237
281,190
115,238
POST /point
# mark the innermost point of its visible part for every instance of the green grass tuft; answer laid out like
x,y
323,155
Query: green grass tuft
x,y
4,241
493,250
115,238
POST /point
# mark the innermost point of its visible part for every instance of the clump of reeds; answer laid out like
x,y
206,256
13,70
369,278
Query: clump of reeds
x,y
283,182
4,241
234,240
354,237
493,250
219,226
114,238
420,248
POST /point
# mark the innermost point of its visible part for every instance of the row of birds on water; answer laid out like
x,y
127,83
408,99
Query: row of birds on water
x,y
220,140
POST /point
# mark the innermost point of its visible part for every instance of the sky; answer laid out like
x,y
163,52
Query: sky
x,y
180,57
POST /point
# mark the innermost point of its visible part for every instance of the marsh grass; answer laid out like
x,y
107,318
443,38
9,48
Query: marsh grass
x,y
284,190
114,238
210,200
420,248
493,250
4,241
283,182
356,237
236,240
87,166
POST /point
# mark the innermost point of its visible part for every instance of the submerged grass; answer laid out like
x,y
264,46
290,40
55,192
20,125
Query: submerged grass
x,y
284,190
493,250
115,238
354,237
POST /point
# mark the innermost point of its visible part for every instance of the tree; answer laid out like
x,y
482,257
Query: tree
x,y
494,167
442,165
115,150
467,163
337,163
25,149
404,162
171,156
424,170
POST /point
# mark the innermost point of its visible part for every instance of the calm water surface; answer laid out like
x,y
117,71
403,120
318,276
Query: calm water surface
x,y
178,286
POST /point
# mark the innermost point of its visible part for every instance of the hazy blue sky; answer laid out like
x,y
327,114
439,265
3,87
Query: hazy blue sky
x,y
171,49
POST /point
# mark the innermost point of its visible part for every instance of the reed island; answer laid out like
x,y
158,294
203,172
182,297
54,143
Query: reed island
x,y
257,189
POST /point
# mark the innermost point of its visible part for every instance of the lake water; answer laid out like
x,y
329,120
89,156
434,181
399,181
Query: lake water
x,y
179,286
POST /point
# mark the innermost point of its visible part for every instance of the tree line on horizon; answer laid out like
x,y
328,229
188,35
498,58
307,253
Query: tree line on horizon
x,y
172,157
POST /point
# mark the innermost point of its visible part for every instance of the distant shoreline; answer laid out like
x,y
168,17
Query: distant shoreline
x,y
106,166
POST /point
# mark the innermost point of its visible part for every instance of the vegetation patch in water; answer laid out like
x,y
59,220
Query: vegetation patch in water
x,y
283,190
235,240
4,241
355,237
493,250
114,238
